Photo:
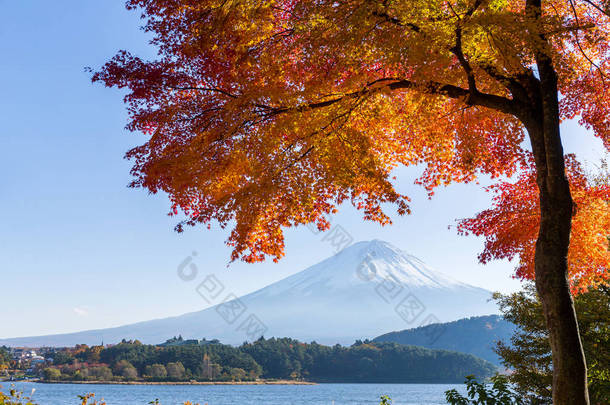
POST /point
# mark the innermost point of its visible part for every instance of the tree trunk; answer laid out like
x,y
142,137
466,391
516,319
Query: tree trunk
x,y
556,207
551,264
569,366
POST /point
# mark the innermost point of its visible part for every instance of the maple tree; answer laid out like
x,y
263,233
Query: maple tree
x,y
269,114
510,227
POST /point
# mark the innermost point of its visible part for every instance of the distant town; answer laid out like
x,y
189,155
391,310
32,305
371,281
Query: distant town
x,y
18,363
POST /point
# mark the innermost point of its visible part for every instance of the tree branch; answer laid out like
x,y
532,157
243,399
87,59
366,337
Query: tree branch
x,y
208,89
393,20
459,52
492,101
599,8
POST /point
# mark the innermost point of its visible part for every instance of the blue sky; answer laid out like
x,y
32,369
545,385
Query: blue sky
x,y
79,250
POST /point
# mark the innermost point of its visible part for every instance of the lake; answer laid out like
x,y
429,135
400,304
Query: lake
x,y
322,394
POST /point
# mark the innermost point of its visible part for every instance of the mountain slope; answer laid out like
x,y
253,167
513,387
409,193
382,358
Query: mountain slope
x,y
475,335
363,291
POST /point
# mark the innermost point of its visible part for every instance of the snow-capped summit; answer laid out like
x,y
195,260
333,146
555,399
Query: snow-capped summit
x,y
363,263
367,289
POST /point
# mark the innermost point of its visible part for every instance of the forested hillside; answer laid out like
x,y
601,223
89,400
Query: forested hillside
x,y
269,359
476,335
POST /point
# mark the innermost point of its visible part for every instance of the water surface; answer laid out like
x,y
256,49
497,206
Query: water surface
x,y
321,394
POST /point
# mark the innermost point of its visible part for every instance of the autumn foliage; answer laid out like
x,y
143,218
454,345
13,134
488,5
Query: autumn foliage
x,y
270,114
510,227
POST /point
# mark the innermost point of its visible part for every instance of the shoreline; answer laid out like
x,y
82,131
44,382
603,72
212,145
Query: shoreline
x,y
258,382
262,382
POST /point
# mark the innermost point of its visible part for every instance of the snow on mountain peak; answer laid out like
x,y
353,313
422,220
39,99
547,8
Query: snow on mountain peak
x,y
363,263
381,260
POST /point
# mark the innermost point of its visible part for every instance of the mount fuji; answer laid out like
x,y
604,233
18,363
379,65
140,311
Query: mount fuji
x,y
367,289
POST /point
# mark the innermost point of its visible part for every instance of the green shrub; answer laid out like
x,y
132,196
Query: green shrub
x,y
385,400
51,374
498,393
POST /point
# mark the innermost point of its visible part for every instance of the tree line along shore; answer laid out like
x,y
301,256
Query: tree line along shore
x,y
264,361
